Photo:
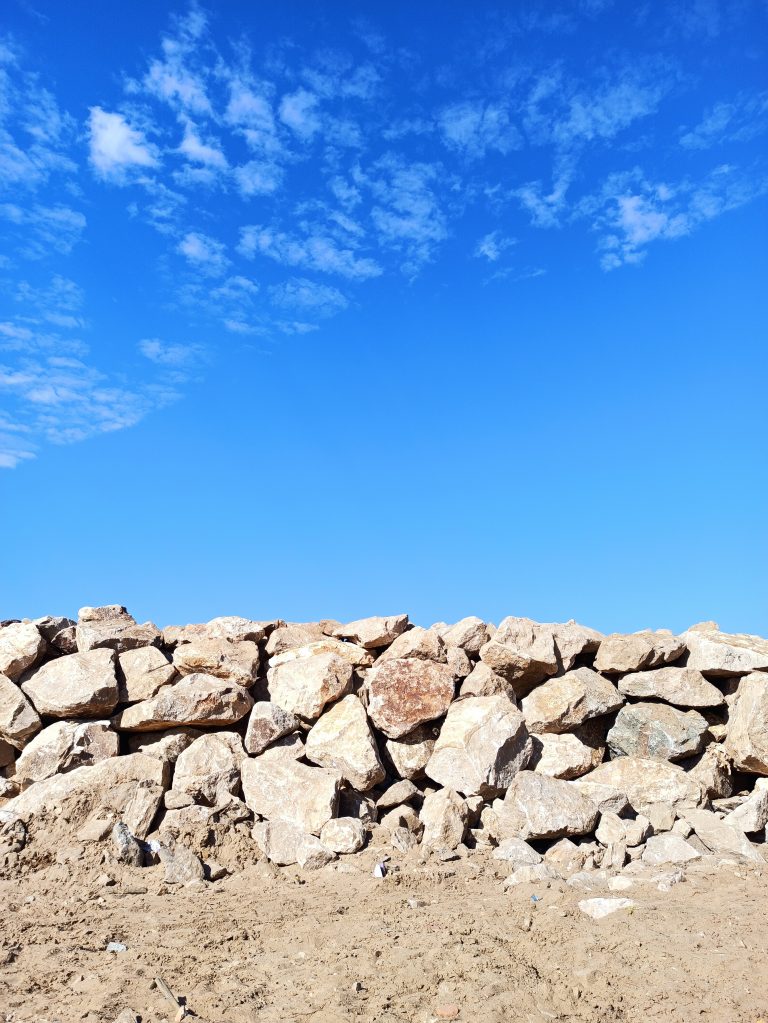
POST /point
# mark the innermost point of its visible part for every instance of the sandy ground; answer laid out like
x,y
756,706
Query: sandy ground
x,y
428,942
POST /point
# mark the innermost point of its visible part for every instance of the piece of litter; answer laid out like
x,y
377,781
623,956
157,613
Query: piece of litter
x,y
380,870
116,946
535,898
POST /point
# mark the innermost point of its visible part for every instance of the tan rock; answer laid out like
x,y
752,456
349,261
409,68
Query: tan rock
x,y
523,652
536,806
284,844
415,643
747,737
236,662
64,746
470,634
607,798
231,627
657,731
291,634
683,687
516,851
403,694
721,836
266,724
306,685
560,704
19,720
21,648
7,753
668,848
208,770
342,740
410,753
445,818
279,788
373,633
483,681
638,650
77,685
458,662
343,835
58,633
142,672
401,792
355,655
166,746
566,756
195,700
573,640
752,815
721,653
111,627
649,781
482,745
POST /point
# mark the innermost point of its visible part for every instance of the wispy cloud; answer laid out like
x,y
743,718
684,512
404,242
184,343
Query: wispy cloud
x,y
204,253
743,119
474,128
492,246
315,250
309,296
116,147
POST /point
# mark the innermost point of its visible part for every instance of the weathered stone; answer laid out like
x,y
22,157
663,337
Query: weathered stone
x,y
267,723
747,737
561,704
683,687
410,753
470,634
58,633
279,788
231,627
78,685
291,634
343,835
373,633
458,662
166,746
21,648
142,672
19,720
752,815
7,753
445,817
355,655
536,806
64,746
111,627
182,866
607,798
291,746
278,840
403,694
342,740
598,909
403,818
721,836
638,650
516,851
567,857
235,662
128,788
661,815
649,781
657,731
523,652
416,643
128,849
195,700
483,681
573,640
399,793
530,873
668,848
613,829
482,745
304,686
721,653
312,854
569,755
713,768
209,769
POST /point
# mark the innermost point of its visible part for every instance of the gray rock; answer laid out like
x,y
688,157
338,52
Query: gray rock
x,y
128,849
657,731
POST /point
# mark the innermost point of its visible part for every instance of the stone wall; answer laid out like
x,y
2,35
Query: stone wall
x,y
558,747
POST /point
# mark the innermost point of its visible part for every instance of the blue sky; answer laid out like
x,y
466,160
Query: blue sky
x,y
331,310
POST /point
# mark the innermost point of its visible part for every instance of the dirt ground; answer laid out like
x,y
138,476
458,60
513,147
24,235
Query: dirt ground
x,y
428,942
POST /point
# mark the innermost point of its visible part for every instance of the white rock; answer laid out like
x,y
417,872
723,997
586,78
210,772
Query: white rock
x,y
306,685
722,654
536,806
649,781
343,835
523,652
638,650
752,815
410,753
445,818
416,642
279,788
720,836
565,756
600,908
515,850
64,746
355,655
342,740
607,798
530,873
683,687
470,634
208,770
668,848
78,685
747,737
111,627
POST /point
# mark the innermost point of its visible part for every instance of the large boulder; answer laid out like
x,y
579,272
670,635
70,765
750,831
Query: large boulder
x,y
483,681
236,662
523,652
536,806
445,817
142,672
167,745
482,745
470,634
751,816
721,836
266,724
195,700
21,647
638,650
683,687
127,788
343,835
746,740
569,755
78,685
58,633
657,731
563,703
648,781
721,654
668,848
416,642
373,633
18,718
410,753
111,627
403,694
208,770
356,655
64,746
305,685
573,641
280,789
343,741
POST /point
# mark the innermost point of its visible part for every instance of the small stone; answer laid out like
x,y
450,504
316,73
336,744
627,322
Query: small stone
x,y
182,866
597,909
444,816
530,873
266,724
128,849
401,792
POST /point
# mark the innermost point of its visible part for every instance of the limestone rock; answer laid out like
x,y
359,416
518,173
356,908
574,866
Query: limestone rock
x,y
208,770
638,650
523,652
355,655
291,634
195,700
77,685
182,866
458,662
111,627
278,788
568,755
342,740
142,672
415,643
607,798
267,723
58,633
19,720
445,818
560,704
410,753
516,851
721,654
278,840
304,686
235,662
343,835
598,909
483,681
713,768
682,687
721,836
398,794
312,854
166,746
128,788
403,694
649,781
64,746
613,829
536,806
21,648
569,858
482,745
752,815
747,737
373,633
657,731
231,627
668,848
573,640
530,873
470,634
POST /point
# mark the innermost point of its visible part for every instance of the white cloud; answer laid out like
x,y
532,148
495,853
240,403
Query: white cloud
x,y
258,177
739,121
298,110
207,153
302,293
44,228
473,128
318,250
205,253
171,78
116,146
492,245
